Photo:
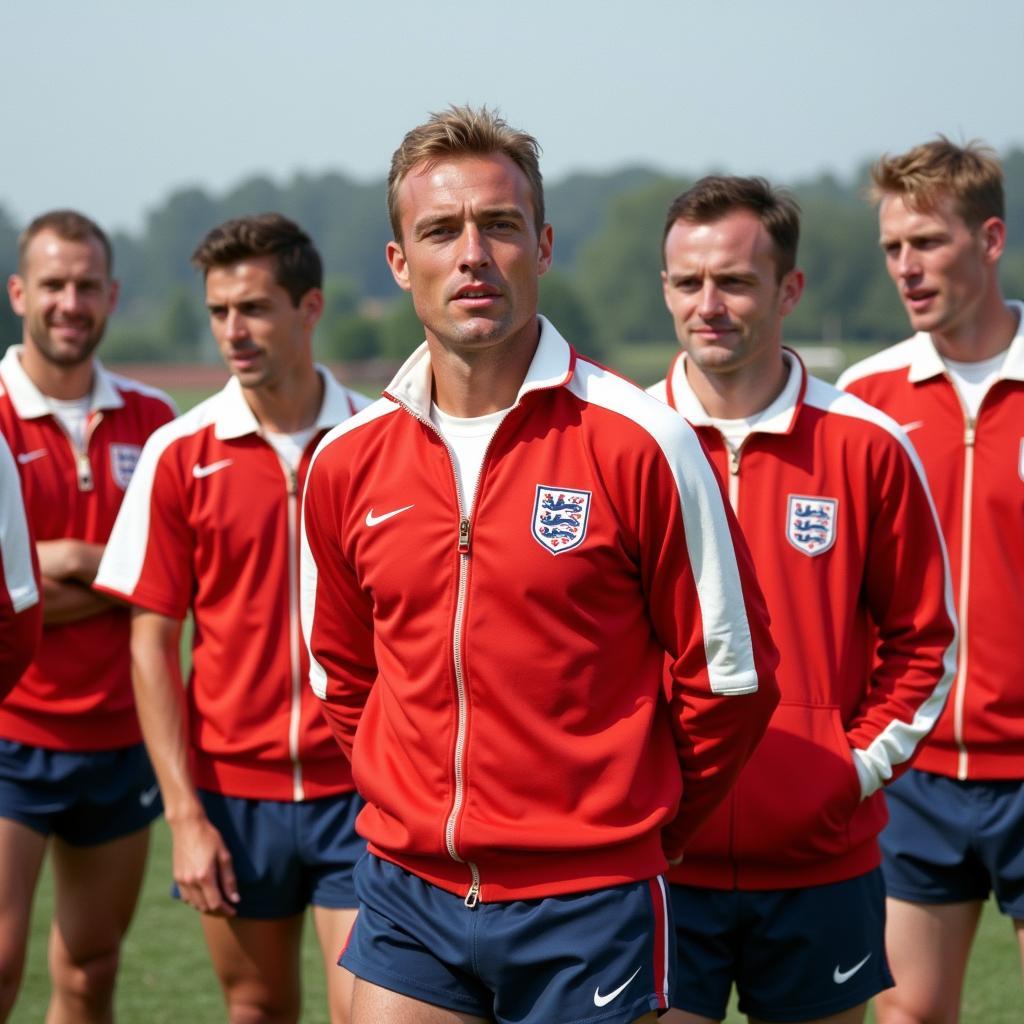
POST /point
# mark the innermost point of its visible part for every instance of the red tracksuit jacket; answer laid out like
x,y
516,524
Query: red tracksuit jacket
x,y
975,471
497,679
847,547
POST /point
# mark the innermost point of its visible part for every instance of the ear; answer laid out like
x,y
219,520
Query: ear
x,y
399,265
665,290
993,238
790,289
113,295
545,249
16,293
311,306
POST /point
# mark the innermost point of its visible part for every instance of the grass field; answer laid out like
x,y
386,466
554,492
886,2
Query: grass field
x,y
166,977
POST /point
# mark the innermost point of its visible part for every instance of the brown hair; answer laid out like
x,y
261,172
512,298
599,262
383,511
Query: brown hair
x,y
70,225
297,264
970,174
465,131
716,195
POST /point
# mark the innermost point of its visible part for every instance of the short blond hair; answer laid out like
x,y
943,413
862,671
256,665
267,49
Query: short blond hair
x,y
465,131
971,174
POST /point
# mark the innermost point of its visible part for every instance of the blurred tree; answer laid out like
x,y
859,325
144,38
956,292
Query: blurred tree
x,y
560,302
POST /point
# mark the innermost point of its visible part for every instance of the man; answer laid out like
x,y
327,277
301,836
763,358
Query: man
x,y
261,811
780,891
957,386
498,555
20,612
72,764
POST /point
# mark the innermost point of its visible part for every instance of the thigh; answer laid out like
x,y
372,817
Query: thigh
x,y
95,892
258,964
928,947
707,944
21,857
332,929
815,952
854,1015
372,1004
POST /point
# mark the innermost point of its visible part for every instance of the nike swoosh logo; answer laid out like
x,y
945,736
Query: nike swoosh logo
x,y
372,520
600,1000
200,471
908,427
24,457
147,796
841,977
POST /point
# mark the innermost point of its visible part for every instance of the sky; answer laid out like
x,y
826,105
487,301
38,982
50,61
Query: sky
x,y
110,105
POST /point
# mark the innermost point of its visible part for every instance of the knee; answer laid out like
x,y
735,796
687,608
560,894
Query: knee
x,y
87,980
12,964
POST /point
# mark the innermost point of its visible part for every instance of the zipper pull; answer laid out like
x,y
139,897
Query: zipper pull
x,y
293,482
464,547
734,462
970,433
473,896
84,470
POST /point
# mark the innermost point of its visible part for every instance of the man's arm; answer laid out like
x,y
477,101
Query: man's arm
x,y
709,613
910,595
202,866
337,617
68,567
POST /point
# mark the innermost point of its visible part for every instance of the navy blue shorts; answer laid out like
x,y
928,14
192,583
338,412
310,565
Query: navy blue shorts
x,y
605,955
288,855
953,842
84,798
793,954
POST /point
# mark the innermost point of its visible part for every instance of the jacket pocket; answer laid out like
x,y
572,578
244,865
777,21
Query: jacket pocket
x,y
799,791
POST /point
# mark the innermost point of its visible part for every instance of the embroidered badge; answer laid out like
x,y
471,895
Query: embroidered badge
x,y
560,517
123,459
811,523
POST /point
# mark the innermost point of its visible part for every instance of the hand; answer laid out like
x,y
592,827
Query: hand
x,y
203,869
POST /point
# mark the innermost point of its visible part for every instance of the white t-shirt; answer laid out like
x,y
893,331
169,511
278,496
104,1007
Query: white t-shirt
x,y
973,380
290,446
73,415
468,440
735,432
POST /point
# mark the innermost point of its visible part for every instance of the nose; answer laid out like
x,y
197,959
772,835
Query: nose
x,y
472,248
235,328
710,304
70,297
907,264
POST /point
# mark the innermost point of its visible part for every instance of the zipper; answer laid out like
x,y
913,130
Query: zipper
x,y
463,545
734,476
294,627
83,467
970,434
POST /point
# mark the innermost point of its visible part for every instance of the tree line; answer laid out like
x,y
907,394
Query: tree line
x,y
602,290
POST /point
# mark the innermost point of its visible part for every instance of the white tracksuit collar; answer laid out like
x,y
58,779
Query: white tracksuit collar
x,y
551,366
236,419
925,361
30,403
777,421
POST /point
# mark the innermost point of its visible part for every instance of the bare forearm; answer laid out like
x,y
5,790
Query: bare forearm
x,y
69,559
68,601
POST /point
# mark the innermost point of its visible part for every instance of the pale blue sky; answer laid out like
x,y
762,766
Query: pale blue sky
x,y
108,105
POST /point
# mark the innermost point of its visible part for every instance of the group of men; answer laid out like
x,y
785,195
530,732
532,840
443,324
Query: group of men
x,y
614,681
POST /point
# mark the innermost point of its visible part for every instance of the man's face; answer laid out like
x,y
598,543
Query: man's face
x,y
262,336
469,253
939,265
720,286
65,295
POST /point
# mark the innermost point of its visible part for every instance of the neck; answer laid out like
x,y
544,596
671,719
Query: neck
x,y
468,384
54,379
289,406
988,332
736,396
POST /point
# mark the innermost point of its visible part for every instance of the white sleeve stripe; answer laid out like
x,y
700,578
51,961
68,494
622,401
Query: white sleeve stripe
x,y
15,545
728,645
897,742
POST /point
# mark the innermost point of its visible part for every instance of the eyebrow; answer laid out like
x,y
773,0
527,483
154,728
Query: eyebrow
x,y
487,213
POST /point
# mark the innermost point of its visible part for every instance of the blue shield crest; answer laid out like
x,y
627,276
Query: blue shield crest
x,y
560,517
123,459
811,523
